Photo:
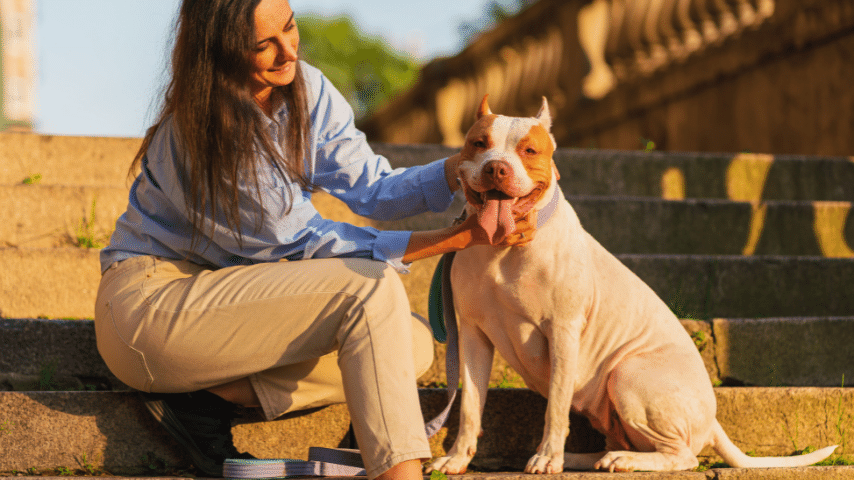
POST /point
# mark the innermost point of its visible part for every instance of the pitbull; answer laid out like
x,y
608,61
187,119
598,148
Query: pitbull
x,y
576,324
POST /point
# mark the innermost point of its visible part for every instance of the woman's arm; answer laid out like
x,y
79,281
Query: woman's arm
x,y
423,244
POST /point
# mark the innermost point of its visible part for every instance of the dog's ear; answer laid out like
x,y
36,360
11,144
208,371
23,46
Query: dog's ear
x,y
545,117
484,108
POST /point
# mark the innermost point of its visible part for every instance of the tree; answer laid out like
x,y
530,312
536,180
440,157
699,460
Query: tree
x,y
367,70
495,12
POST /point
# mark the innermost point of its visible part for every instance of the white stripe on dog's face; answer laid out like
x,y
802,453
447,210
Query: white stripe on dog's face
x,y
502,137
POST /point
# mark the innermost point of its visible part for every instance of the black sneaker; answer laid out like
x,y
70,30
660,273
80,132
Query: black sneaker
x,y
201,423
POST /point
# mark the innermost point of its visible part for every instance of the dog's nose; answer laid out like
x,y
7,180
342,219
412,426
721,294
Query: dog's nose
x,y
497,169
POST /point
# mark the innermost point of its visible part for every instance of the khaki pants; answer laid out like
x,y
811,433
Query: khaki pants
x,y
306,334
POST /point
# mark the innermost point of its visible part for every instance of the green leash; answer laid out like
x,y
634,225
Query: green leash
x,y
435,307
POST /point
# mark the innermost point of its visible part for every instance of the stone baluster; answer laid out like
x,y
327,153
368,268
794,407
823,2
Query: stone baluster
x,y
763,9
726,20
670,30
593,32
616,47
636,11
692,37
702,16
743,11
654,36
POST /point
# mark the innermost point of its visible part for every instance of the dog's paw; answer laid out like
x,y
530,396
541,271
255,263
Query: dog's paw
x,y
453,465
545,464
616,462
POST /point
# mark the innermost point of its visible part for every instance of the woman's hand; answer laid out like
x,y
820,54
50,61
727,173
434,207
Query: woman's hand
x,y
451,165
458,237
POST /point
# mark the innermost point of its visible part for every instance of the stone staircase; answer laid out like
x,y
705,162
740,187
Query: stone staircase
x,y
752,251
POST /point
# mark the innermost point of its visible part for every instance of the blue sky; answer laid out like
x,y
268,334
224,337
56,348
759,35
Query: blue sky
x,y
101,63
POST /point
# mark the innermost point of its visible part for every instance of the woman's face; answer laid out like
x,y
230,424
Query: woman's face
x,y
277,41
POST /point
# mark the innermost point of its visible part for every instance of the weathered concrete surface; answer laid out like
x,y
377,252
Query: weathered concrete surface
x,y
63,283
49,282
717,227
53,351
47,216
53,429
807,473
748,177
791,351
66,160
709,286
767,352
104,161
53,215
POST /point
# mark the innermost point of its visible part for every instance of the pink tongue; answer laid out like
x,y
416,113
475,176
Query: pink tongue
x,y
496,217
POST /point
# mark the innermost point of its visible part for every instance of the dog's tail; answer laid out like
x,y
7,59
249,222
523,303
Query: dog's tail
x,y
736,458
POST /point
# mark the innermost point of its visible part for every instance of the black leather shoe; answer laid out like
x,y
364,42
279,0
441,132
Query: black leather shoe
x,y
201,423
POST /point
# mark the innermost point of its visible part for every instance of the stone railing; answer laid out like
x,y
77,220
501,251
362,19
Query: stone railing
x,y
612,69
626,38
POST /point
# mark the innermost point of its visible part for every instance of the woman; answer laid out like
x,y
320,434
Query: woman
x,y
223,287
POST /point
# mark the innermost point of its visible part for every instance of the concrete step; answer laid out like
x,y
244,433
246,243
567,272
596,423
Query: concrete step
x,y
717,227
104,161
712,286
65,160
53,354
60,215
674,175
805,473
62,282
112,430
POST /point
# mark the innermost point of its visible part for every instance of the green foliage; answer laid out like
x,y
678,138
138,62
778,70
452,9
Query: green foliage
x,y
86,237
366,70
6,428
647,144
699,339
495,12
841,425
88,467
437,475
509,379
64,471
47,376
32,179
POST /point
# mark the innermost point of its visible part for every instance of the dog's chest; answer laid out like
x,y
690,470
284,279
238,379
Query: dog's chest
x,y
490,286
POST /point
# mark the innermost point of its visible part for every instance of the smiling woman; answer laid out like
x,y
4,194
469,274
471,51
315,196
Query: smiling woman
x,y
222,284
276,51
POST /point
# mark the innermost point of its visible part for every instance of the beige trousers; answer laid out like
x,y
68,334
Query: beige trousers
x,y
306,334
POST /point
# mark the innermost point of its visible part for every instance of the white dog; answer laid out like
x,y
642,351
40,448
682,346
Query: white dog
x,y
577,325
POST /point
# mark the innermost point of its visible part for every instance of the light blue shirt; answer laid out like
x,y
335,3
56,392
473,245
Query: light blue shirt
x,y
157,221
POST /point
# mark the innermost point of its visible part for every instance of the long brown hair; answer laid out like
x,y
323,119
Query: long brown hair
x,y
215,118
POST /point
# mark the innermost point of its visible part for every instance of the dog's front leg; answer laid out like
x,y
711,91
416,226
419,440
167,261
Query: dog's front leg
x,y
563,355
476,353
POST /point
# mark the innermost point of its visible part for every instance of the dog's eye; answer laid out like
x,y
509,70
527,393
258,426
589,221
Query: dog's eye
x,y
479,144
530,151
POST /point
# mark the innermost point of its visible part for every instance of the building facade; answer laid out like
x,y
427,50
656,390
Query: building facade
x,y
17,64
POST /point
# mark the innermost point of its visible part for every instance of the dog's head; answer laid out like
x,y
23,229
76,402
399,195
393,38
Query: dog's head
x,y
506,169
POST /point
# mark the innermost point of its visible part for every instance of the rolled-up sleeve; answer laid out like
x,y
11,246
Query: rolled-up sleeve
x,y
347,168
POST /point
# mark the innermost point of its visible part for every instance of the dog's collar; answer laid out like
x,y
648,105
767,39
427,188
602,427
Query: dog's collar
x,y
546,213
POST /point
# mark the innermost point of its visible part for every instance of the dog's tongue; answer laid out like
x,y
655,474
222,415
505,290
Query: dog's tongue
x,y
495,217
